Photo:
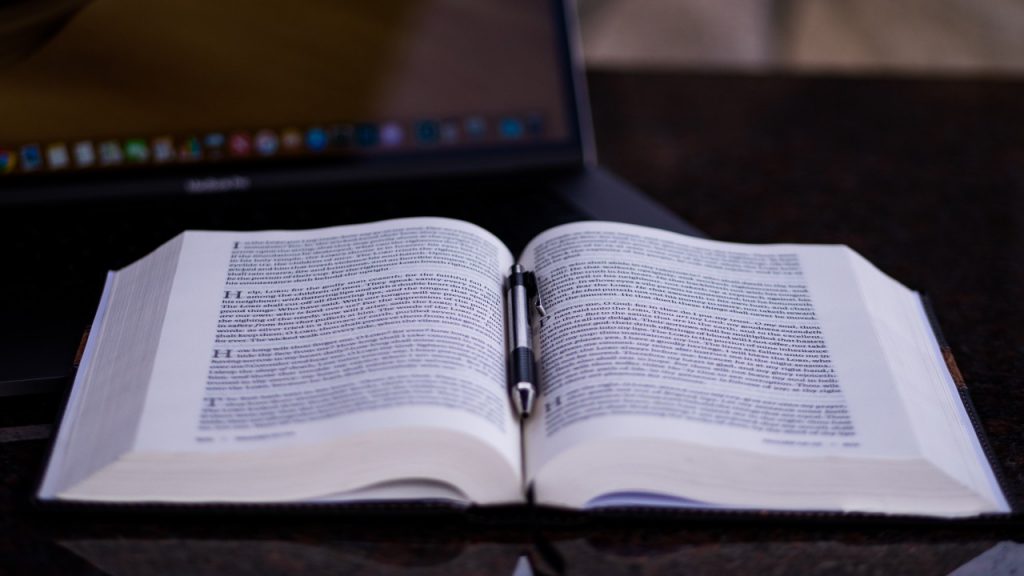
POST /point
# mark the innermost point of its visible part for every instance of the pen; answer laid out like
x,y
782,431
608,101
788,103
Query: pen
x,y
522,367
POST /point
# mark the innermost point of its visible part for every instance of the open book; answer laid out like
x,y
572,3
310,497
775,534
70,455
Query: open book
x,y
367,363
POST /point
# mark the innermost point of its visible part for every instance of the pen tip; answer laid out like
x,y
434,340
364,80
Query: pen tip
x,y
523,398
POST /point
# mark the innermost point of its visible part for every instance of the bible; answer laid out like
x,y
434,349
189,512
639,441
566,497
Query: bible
x,y
368,364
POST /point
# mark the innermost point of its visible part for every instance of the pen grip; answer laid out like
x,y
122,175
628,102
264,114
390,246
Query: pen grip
x,y
522,366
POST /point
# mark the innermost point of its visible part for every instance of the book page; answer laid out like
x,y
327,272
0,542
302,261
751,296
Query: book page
x,y
936,412
277,339
656,335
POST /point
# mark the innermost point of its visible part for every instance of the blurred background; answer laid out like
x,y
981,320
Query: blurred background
x,y
945,37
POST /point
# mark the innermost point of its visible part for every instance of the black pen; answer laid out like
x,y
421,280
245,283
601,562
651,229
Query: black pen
x,y
521,364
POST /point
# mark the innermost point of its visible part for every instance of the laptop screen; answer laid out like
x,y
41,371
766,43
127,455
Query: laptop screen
x,y
104,91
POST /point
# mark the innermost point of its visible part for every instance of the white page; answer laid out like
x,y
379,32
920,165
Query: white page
x,y
935,410
100,422
656,335
390,324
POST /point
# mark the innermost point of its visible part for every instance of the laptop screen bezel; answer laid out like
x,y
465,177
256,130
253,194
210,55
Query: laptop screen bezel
x,y
319,173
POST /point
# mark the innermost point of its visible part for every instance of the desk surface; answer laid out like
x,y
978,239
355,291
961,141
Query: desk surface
x,y
924,177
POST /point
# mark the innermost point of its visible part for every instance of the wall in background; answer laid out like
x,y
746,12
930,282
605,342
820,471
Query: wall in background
x,y
905,36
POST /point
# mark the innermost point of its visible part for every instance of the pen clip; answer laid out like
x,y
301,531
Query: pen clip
x,y
534,292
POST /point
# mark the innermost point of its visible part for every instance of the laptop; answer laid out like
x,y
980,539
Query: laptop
x,y
127,122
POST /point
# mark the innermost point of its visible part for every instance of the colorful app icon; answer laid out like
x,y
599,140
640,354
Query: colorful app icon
x,y
31,157
57,156
449,132
316,139
136,151
239,144
428,132
342,136
8,161
190,149
84,154
391,134
476,127
214,143
367,135
511,128
266,142
110,153
291,140
163,150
